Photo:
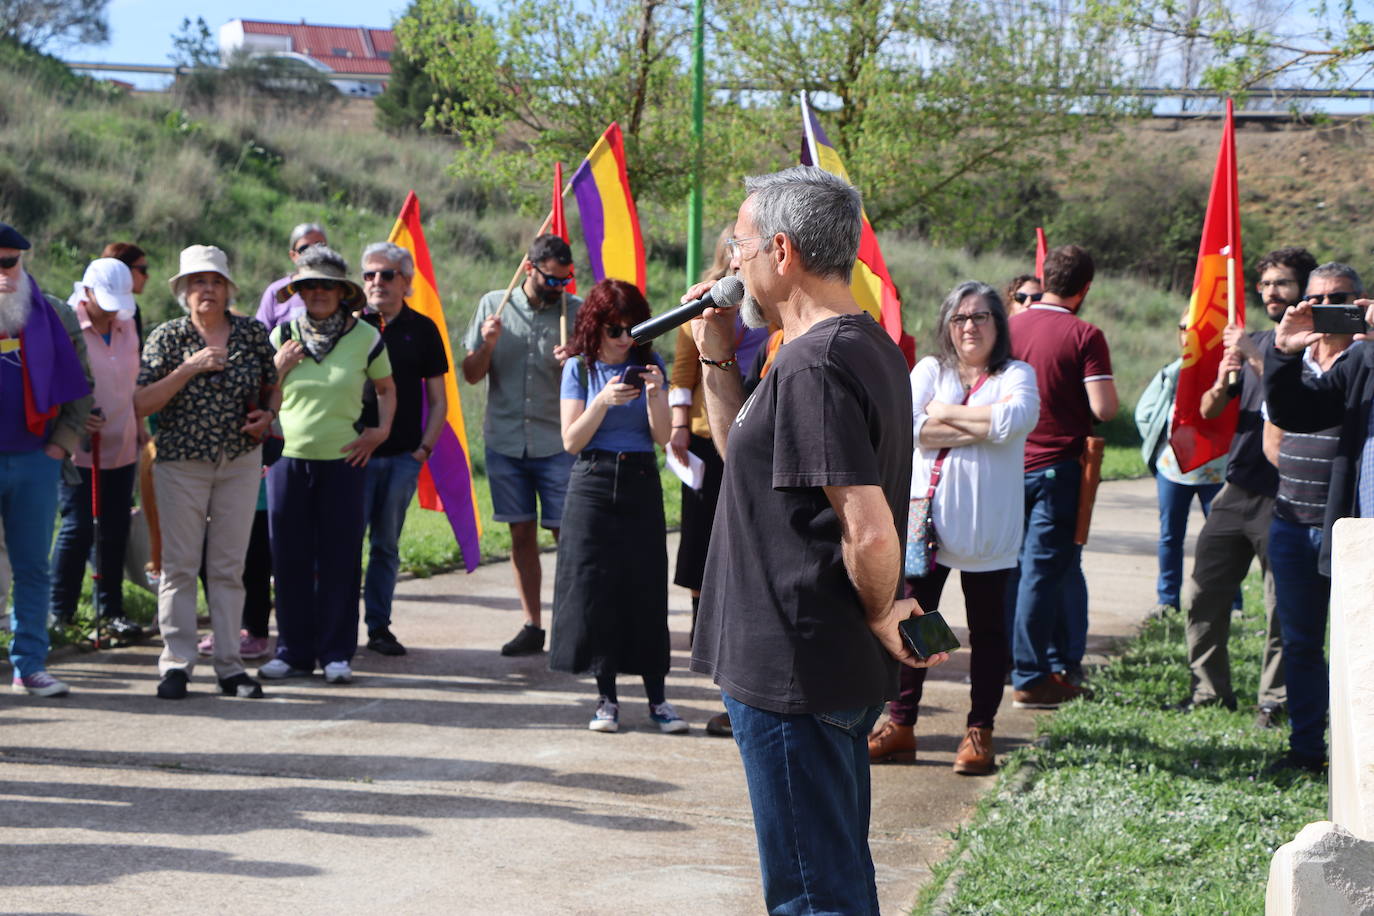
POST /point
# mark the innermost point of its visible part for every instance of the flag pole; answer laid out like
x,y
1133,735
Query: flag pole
x,y
515,278
694,200
1232,217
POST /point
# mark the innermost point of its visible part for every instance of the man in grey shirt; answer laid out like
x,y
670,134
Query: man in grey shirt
x,y
521,353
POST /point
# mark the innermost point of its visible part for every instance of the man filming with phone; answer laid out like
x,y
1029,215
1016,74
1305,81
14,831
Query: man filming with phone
x,y
798,619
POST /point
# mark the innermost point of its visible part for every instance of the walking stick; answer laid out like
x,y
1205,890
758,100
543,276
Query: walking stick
x,y
95,532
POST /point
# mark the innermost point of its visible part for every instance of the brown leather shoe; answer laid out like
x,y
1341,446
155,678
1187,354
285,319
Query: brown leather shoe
x,y
975,753
892,743
1046,693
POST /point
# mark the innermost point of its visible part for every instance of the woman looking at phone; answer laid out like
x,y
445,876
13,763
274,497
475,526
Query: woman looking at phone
x,y
610,598
974,405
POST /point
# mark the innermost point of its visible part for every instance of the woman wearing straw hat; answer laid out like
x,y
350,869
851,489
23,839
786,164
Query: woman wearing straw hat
x,y
315,491
104,304
210,378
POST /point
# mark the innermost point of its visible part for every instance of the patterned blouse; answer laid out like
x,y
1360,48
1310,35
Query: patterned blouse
x,y
203,419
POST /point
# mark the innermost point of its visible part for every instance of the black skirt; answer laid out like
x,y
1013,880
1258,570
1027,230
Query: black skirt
x,y
610,593
698,512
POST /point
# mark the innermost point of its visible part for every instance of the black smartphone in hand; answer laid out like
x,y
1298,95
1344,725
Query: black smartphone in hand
x,y
928,634
1338,319
634,375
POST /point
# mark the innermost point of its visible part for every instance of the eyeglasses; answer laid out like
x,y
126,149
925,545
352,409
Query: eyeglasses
x,y
1021,298
732,245
386,275
313,284
978,318
614,331
141,268
7,263
1336,298
550,280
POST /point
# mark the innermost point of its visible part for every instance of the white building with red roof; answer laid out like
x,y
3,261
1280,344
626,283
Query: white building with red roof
x,y
359,55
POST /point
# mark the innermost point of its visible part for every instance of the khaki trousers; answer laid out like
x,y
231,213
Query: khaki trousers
x,y
205,505
1236,532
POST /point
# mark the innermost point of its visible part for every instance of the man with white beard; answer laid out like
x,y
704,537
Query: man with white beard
x,y
45,397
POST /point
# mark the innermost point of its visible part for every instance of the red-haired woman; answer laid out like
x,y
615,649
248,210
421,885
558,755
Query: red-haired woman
x,y
610,597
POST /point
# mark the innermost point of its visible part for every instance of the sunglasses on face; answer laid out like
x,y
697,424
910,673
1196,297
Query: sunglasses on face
x,y
550,280
7,263
1337,298
386,275
614,331
301,248
1022,298
310,285
978,318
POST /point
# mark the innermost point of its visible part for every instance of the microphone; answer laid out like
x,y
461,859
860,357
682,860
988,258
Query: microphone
x,y
727,293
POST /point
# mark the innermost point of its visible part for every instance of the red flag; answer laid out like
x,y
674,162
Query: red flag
x,y
1216,299
1040,248
559,224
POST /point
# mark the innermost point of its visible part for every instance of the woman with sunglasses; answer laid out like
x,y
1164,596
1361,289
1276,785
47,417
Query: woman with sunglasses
x,y
315,490
1022,292
972,406
610,599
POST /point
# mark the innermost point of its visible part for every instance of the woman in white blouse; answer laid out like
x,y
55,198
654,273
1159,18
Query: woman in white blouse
x,y
975,405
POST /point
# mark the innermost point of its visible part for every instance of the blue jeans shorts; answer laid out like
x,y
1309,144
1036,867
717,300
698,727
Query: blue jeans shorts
x,y
515,482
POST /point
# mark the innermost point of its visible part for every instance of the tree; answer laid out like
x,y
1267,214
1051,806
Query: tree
x,y
44,23
194,46
411,93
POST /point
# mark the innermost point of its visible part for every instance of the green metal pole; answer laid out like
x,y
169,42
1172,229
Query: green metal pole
x,y
698,142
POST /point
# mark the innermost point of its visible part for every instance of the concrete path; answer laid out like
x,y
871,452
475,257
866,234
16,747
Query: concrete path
x,y
451,780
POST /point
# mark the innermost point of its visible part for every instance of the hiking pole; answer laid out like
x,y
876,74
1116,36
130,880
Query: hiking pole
x,y
95,532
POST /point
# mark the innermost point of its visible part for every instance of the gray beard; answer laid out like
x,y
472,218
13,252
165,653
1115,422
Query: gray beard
x,y
15,307
751,314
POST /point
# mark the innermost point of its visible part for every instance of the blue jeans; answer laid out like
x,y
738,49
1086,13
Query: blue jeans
x,y
387,491
1049,629
809,787
515,482
1175,499
1301,600
28,503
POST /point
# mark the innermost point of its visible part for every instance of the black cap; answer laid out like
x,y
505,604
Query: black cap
x,y
10,238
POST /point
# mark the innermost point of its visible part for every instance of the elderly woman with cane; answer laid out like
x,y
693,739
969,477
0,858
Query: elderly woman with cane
x,y
315,490
210,378
972,406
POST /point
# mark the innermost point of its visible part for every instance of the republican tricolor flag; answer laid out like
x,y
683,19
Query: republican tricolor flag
x,y
446,483
1216,299
871,284
610,223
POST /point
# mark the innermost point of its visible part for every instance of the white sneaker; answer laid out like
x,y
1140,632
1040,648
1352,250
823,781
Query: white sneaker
x,y
338,673
667,719
607,716
277,669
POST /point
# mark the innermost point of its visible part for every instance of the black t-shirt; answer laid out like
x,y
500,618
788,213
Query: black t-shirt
x,y
417,353
1246,465
780,625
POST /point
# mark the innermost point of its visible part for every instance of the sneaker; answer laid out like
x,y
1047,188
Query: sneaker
x,y
278,668
1189,704
718,726
251,646
667,719
337,673
384,643
173,685
974,757
1294,761
529,641
1047,693
207,645
1268,715
240,685
40,684
123,628
607,716
892,743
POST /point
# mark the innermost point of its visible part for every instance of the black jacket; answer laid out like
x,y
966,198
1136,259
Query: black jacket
x,y
1341,397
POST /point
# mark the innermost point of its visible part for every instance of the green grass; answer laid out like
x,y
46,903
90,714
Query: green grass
x,y
1123,462
1132,810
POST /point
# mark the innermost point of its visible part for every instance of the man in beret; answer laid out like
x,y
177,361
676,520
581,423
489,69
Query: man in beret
x,y
45,398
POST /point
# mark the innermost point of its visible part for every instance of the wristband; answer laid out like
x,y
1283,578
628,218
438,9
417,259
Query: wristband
x,y
682,427
719,364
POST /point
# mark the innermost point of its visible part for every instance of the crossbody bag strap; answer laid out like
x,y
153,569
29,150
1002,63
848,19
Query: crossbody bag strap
x,y
944,452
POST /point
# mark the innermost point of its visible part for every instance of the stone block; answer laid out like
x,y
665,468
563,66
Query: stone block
x,y
1352,676
1325,871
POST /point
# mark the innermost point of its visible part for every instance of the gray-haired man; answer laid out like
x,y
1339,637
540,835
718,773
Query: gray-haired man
x,y
799,609
270,311
418,365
